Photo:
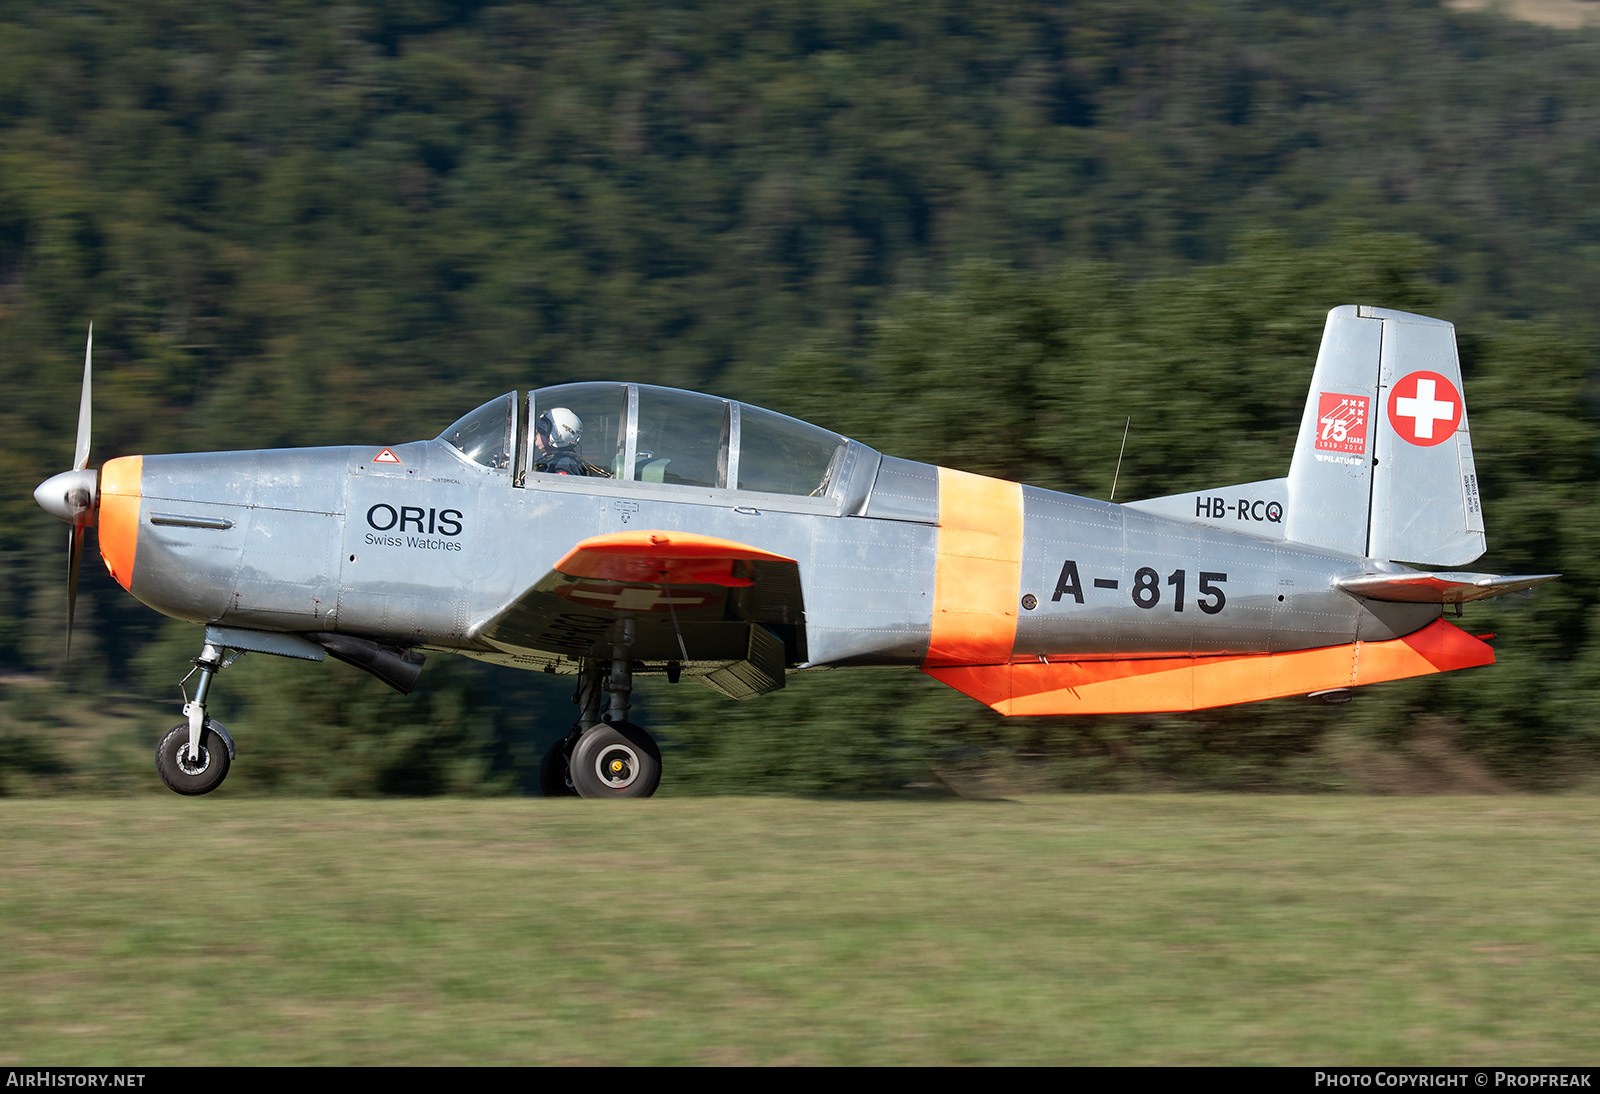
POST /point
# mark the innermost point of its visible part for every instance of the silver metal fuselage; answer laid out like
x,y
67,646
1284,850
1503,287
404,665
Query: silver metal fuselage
x,y
422,551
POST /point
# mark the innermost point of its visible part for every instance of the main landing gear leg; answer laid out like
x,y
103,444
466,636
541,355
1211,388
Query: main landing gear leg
x,y
604,759
193,757
615,758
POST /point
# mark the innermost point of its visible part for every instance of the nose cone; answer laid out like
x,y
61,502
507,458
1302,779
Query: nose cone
x,y
120,483
69,496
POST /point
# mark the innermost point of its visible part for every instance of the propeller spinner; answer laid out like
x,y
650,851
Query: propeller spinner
x,y
74,495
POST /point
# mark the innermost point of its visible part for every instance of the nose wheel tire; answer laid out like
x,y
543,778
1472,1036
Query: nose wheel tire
x,y
615,761
188,774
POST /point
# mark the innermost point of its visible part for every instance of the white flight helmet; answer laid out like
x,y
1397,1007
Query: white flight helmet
x,y
561,426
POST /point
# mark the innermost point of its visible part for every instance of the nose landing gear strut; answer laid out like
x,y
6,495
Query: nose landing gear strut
x,y
193,757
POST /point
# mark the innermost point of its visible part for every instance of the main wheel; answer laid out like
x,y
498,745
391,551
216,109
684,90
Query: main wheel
x,y
554,782
192,775
615,761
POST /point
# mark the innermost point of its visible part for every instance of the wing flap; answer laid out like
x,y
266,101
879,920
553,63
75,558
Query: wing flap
x,y
1163,684
760,671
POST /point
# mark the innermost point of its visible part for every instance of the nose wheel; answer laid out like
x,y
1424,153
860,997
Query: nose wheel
x,y
194,772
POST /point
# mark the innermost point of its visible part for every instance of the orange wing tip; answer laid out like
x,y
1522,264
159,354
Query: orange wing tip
x,y
1161,684
657,557
120,485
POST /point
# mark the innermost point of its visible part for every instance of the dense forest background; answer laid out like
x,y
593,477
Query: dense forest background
x,y
977,234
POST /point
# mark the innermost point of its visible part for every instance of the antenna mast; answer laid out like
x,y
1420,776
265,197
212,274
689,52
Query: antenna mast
x,y
1120,451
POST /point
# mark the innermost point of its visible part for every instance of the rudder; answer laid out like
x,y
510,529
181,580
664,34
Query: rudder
x,y
1383,465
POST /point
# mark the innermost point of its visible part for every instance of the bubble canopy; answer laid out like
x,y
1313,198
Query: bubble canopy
x,y
641,433
484,436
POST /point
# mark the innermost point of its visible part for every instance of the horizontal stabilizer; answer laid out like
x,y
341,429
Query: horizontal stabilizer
x,y
1438,588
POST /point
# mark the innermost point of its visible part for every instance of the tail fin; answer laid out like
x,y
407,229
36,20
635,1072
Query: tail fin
x,y
1383,465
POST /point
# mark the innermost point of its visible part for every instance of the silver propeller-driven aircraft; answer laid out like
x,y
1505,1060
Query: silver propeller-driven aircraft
x,y
611,529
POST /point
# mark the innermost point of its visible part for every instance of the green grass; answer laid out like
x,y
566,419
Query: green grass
x,y
1092,930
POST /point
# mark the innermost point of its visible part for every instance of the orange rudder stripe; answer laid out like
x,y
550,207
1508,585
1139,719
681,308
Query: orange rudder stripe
x,y
120,481
978,570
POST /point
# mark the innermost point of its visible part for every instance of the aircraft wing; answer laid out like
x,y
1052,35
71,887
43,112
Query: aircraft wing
x,y
724,612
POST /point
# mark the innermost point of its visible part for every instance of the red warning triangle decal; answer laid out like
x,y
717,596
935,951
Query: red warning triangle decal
x,y
386,457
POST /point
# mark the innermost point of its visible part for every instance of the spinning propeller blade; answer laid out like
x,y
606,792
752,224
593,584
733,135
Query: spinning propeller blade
x,y
74,565
80,456
74,495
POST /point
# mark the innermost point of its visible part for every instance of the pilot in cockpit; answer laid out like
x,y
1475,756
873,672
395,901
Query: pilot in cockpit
x,y
556,435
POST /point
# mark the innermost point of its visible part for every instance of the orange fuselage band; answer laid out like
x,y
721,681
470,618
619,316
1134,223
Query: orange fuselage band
x,y
978,570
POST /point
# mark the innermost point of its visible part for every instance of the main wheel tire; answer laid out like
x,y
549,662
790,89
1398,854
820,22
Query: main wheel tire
x,y
615,761
186,776
554,781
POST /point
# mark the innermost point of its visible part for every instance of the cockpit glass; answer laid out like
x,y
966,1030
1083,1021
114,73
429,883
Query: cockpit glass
x,y
651,434
484,436
596,416
781,455
683,438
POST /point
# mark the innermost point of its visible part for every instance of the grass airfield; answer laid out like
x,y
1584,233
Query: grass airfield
x,y
1168,929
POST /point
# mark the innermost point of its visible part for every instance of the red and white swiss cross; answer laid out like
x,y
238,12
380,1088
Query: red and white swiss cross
x,y
618,597
1425,408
